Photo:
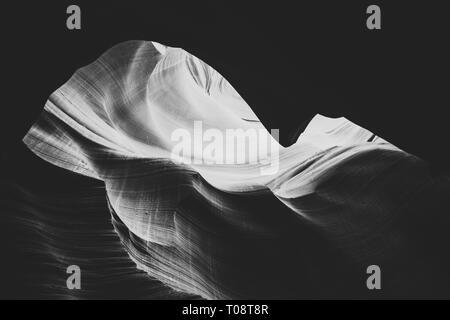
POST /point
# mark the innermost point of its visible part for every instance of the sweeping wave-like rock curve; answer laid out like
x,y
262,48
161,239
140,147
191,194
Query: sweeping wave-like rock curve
x,y
339,199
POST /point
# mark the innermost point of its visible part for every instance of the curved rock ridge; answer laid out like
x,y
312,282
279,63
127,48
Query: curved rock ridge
x,y
226,230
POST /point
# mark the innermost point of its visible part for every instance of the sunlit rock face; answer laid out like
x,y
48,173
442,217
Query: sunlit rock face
x,y
338,200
